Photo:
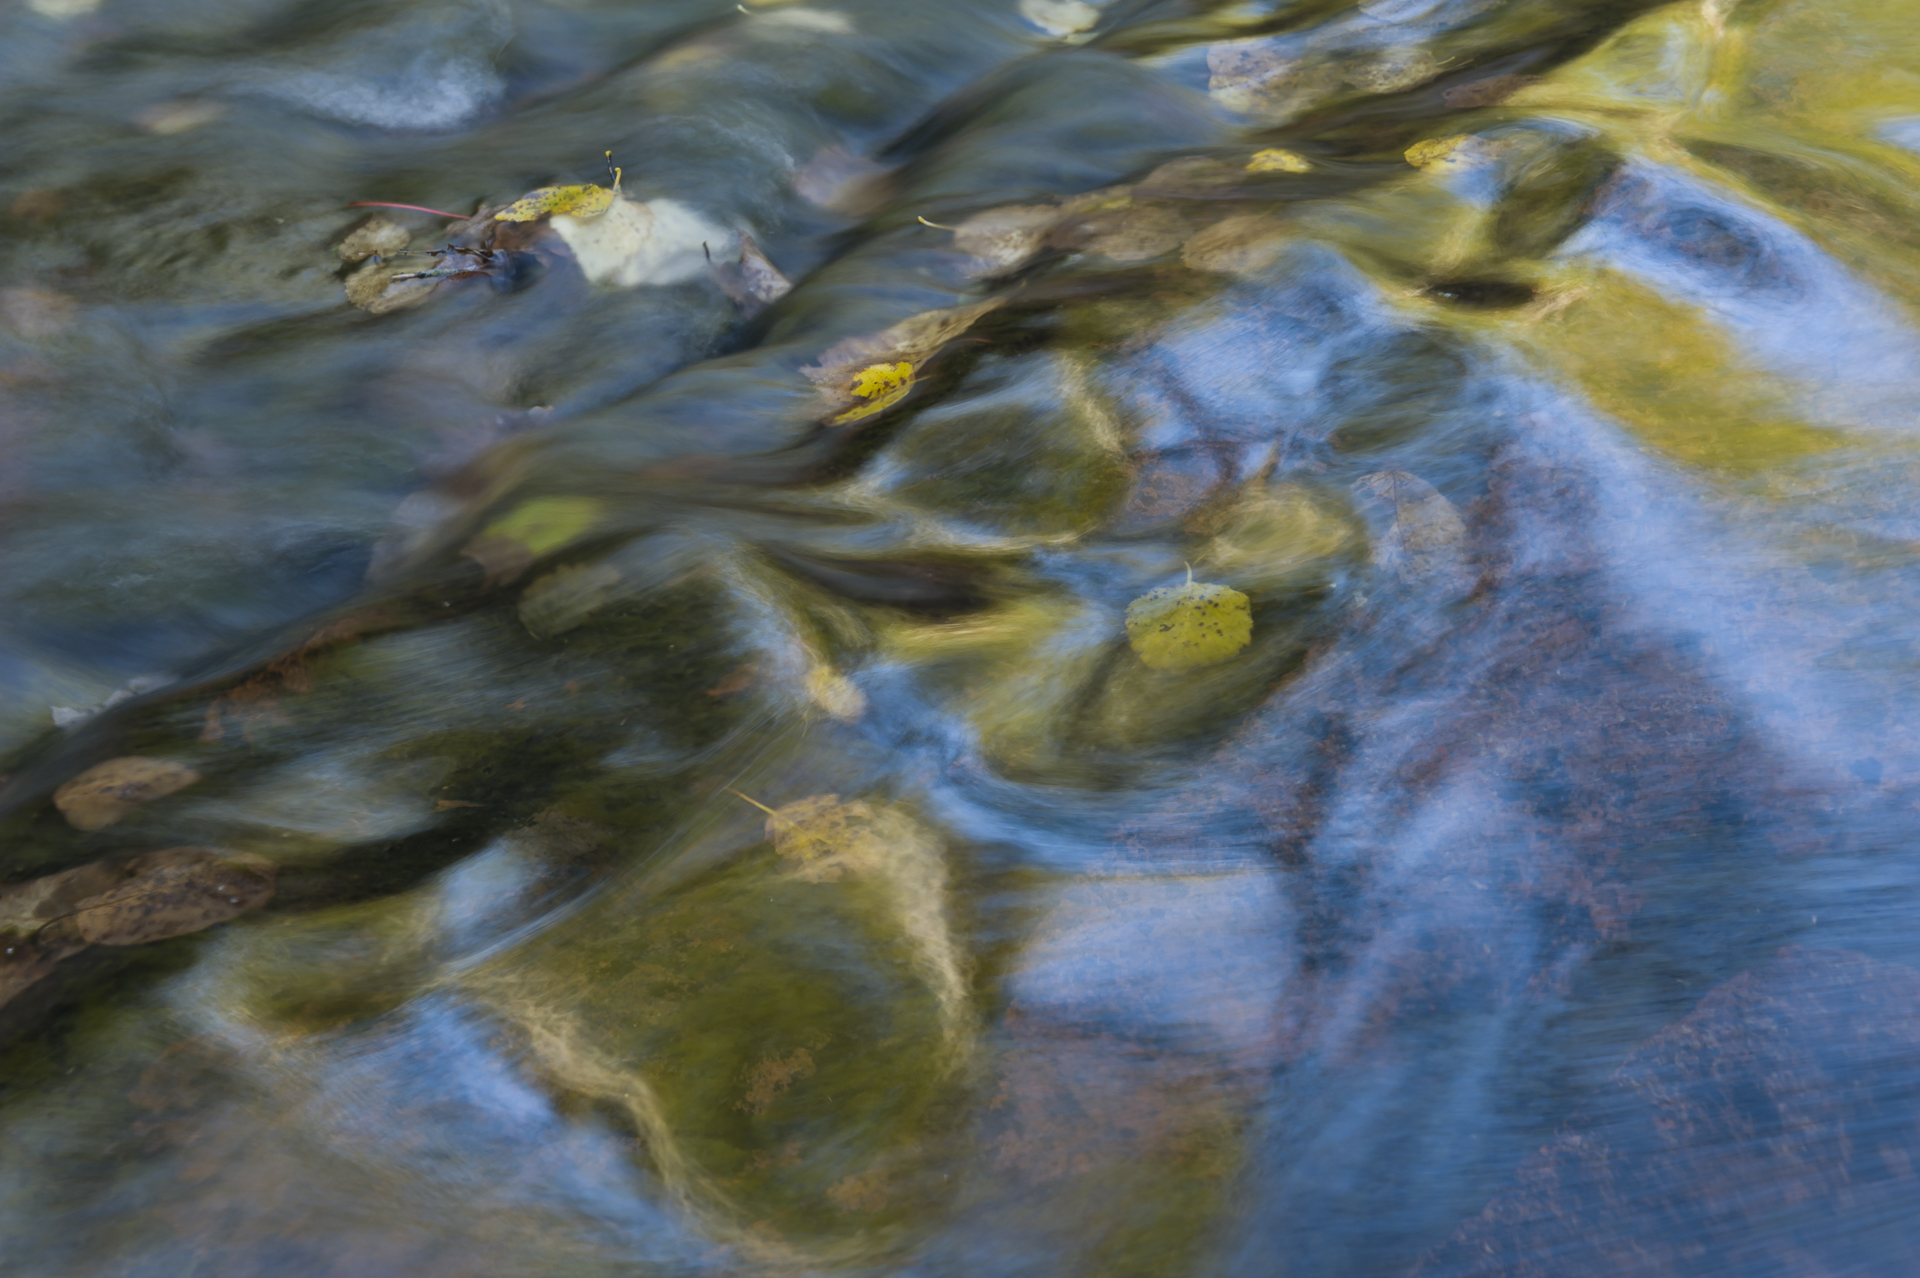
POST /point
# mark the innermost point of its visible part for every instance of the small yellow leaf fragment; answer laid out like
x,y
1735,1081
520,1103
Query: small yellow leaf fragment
x,y
546,523
1436,151
880,386
1197,624
108,791
576,201
838,695
1276,160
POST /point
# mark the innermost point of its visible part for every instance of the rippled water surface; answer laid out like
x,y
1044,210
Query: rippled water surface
x,y
623,755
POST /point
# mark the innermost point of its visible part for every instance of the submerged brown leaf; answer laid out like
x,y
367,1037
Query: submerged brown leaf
x,y
752,283
161,894
108,791
173,892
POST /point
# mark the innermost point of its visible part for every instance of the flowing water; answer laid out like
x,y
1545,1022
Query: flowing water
x,y
684,802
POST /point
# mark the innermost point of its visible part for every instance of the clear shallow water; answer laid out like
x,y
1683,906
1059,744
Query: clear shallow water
x,y
1532,895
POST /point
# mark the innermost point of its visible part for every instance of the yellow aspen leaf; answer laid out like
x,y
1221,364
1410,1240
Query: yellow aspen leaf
x,y
576,201
1276,160
1197,624
878,386
1436,151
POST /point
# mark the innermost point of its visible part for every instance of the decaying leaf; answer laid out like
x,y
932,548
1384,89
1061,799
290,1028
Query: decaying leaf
x,y
827,839
377,235
1249,76
576,201
1060,18
1278,160
1126,233
911,342
1420,537
1196,624
1005,239
1243,245
158,895
1392,70
108,791
753,283
173,892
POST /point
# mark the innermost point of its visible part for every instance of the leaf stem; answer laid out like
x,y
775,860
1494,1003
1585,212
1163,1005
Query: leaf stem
x,y
412,208
755,802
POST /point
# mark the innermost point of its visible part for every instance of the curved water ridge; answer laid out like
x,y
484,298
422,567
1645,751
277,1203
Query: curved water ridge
x,y
629,757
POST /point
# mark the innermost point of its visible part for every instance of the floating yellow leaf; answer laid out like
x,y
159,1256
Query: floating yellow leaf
x,y
575,201
546,523
1434,151
1276,160
579,201
878,386
1180,627
881,378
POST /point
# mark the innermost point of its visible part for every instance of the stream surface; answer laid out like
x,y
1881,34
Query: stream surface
x,y
612,796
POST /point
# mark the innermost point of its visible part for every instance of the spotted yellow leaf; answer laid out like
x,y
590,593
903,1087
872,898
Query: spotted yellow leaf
x,y
1196,624
878,386
1276,160
580,201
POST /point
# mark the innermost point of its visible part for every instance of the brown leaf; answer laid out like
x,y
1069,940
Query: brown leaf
x,y
108,791
753,283
172,892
